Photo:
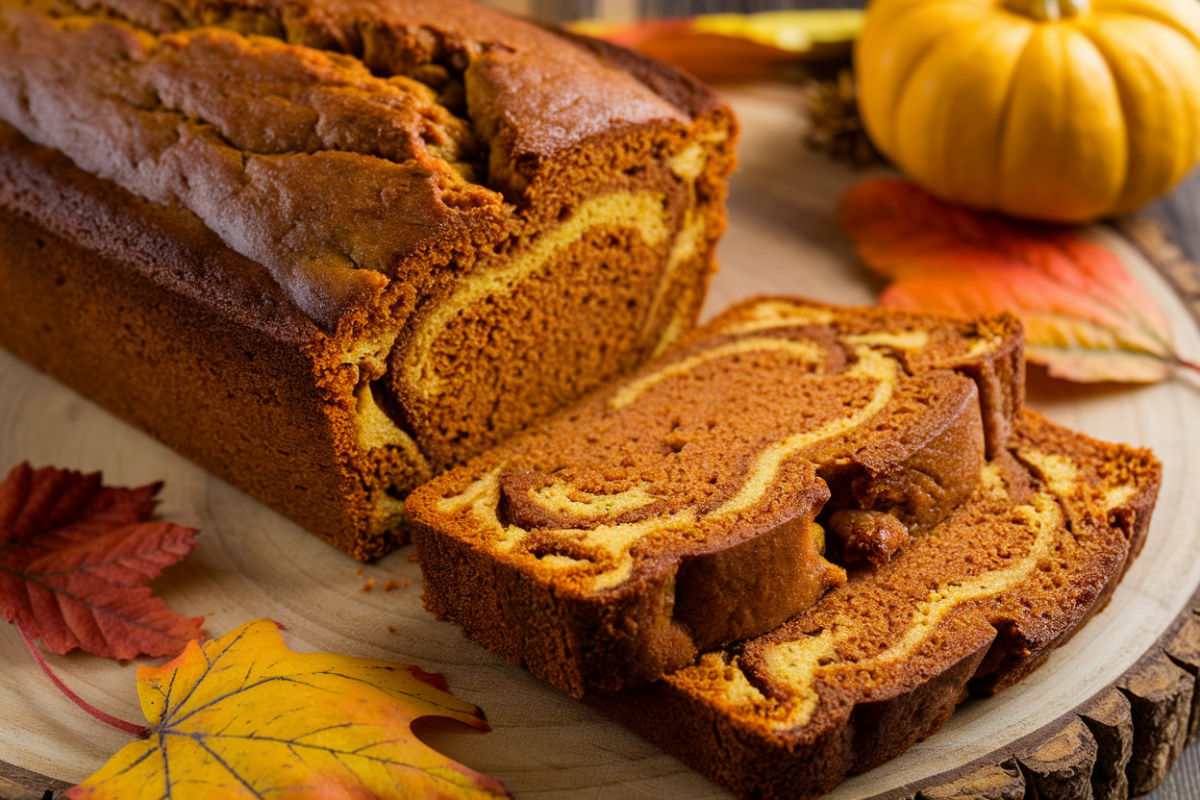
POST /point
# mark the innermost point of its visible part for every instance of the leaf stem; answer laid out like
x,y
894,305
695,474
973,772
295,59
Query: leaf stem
x,y
1183,362
120,724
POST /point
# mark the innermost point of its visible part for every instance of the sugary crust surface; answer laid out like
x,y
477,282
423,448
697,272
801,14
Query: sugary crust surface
x,y
667,490
973,604
398,192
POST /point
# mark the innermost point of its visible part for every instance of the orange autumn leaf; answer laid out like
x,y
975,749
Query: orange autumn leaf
x,y
246,717
737,46
1085,317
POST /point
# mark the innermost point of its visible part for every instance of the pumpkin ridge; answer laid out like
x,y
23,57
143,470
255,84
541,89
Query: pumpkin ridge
x,y
1113,59
1153,13
900,96
1183,166
1192,136
1102,48
951,180
1047,11
996,200
902,82
930,21
1052,93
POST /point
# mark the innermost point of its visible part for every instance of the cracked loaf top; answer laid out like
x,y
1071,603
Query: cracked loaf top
x,y
339,144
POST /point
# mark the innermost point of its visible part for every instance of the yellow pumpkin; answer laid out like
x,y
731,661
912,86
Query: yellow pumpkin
x,y
1045,109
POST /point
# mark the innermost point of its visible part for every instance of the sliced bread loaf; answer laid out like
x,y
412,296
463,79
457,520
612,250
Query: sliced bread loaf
x,y
972,605
673,512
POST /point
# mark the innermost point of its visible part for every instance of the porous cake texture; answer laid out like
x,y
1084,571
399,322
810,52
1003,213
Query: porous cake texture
x,y
972,605
673,512
327,248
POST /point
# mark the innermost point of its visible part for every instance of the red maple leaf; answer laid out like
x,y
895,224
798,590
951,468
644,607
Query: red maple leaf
x,y
75,561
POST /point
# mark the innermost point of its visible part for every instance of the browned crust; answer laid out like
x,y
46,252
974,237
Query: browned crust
x,y
689,95
1001,382
547,632
242,332
656,622
758,580
922,477
163,244
1026,646
752,764
214,390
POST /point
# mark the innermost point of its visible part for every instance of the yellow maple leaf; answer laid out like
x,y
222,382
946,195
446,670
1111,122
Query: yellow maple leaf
x,y
737,46
246,717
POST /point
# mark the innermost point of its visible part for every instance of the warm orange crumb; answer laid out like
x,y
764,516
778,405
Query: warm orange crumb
x,y
391,628
369,585
390,585
407,582
359,572
412,558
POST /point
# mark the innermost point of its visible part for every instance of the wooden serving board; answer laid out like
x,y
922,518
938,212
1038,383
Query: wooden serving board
x,y
783,239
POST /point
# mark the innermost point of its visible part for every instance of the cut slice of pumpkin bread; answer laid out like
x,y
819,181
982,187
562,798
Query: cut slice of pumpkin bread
x,y
972,605
673,512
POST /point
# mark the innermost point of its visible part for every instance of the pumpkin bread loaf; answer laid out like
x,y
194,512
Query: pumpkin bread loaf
x,y
327,248
971,605
673,512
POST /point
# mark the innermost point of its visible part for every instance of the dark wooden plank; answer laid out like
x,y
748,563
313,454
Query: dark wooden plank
x,y
1180,214
21,784
1184,781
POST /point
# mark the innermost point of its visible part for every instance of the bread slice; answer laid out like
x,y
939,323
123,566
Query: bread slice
x,y
972,605
673,511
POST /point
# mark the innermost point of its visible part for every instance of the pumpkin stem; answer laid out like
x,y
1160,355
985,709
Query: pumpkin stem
x,y
1048,10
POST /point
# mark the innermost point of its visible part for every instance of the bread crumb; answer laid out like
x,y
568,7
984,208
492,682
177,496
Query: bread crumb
x,y
412,558
390,585
359,572
391,628
369,585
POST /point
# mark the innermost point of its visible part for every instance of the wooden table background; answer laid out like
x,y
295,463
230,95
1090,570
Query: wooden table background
x,y
796,199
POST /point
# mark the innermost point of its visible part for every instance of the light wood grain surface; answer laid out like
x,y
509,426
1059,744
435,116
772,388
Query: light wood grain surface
x,y
250,562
